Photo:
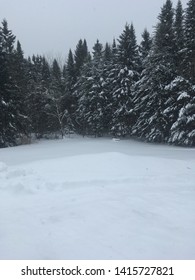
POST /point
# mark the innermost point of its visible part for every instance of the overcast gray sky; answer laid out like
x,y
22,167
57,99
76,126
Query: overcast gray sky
x,y
51,27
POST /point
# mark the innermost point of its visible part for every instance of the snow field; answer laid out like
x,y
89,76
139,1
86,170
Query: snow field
x,y
97,199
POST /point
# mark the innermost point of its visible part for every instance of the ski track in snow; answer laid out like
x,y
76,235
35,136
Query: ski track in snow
x,y
96,201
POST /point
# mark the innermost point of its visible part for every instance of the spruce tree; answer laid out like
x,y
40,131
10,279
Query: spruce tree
x,y
145,45
114,48
37,96
189,59
107,53
55,109
70,72
120,79
150,98
56,72
179,37
46,73
20,70
97,51
179,27
80,57
10,91
181,111
69,99
128,49
90,94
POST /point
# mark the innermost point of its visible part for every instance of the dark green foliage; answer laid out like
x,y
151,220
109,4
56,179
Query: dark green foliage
x,y
152,124
97,51
90,115
128,49
56,72
70,71
13,120
179,38
164,35
121,76
145,45
189,60
69,101
81,55
147,91
8,39
179,27
180,111
159,70
107,53
121,102
37,95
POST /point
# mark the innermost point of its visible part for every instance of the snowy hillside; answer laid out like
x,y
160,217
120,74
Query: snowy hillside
x,y
82,198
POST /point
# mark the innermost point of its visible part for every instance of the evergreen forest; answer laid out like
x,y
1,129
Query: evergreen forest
x,y
120,89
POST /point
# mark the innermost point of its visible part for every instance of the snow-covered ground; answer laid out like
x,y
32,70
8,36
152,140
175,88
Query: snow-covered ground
x,y
82,198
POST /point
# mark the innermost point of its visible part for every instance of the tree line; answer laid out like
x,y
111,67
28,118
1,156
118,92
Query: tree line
x,y
144,90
